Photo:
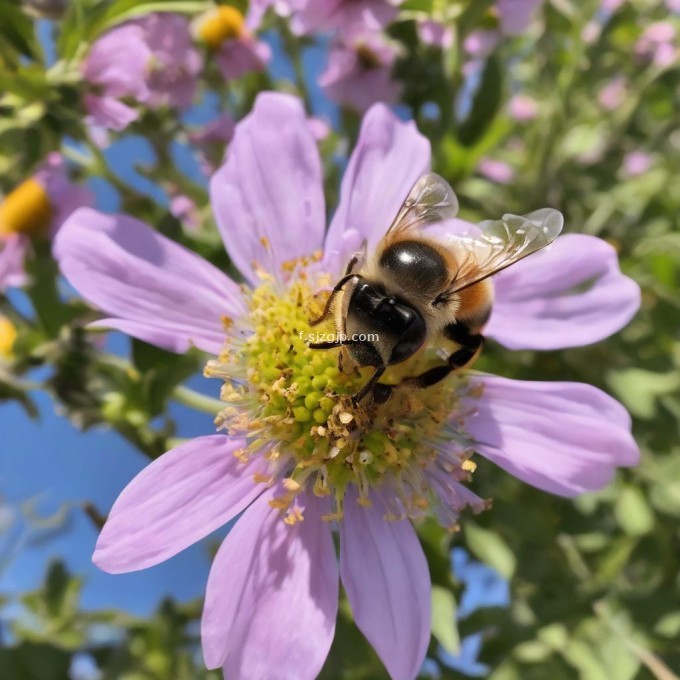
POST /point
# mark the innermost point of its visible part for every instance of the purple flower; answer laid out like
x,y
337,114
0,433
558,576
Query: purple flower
x,y
613,94
288,460
12,254
36,208
149,61
656,44
360,73
347,17
515,16
497,171
636,163
523,108
435,33
223,29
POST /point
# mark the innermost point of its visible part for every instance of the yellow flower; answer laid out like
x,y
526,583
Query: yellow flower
x,y
8,335
220,24
26,210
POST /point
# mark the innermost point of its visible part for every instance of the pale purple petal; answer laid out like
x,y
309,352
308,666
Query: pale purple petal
x,y
565,438
117,63
272,596
12,254
109,112
387,580
180,498
236,58
347,17
161,292
435,33
516,15
390,156
568,295
268,196
65,196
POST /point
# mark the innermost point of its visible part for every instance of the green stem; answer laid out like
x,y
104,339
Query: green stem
x,y
197,401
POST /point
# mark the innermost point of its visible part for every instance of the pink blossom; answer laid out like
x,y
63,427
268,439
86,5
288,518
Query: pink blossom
x,y
360,74
613,94
150,61
656,44
435,33
13,250
523,108
186,211
496,171
515,16
272,594
636,163
481,43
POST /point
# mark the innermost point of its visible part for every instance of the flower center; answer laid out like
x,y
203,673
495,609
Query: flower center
x,y
294,405
26,210
222,23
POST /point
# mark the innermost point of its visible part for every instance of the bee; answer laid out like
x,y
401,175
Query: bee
x,y
416,289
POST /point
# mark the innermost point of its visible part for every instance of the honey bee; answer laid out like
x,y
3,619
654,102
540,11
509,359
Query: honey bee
x,y
415,289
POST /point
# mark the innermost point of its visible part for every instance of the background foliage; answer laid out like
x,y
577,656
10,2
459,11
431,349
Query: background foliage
x,y
594,583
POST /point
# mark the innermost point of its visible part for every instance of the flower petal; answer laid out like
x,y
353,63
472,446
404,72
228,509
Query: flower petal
x,y
565,438
538,303
268,196
159,291
386,577
180,498
13,251
272,596
389,157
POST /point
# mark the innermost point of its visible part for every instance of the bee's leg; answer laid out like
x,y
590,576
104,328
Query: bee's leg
x,y
332,344
369,384
331,298
472,346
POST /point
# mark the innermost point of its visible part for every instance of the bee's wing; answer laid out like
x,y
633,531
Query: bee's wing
x,y
431,200
501,243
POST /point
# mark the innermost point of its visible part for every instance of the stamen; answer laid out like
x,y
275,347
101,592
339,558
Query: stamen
x,y
295,409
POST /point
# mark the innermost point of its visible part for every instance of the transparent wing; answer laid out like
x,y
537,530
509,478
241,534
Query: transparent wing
x,y
501,243
430,201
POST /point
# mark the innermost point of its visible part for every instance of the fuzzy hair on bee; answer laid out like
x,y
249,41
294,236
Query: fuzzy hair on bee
x,y
419,288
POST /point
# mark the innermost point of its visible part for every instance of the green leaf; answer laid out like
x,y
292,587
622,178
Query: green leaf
x,y
485,104
444,626
633,513
639,389
490,548
17,30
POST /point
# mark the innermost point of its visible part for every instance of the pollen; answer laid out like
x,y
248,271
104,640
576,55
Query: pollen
x,y
26,210
220,24
294,407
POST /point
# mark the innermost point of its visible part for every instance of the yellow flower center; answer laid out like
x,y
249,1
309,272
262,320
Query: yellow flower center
x,y
293,405
26,210
8,334
220,24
